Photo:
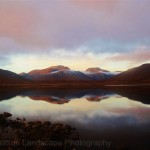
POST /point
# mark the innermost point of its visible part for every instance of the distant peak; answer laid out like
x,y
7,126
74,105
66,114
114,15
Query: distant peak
x,y
95,69
49,70
59,67
22,73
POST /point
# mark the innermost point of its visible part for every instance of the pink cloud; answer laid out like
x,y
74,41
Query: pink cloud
x,y
137,56
64,24
17,20
106,5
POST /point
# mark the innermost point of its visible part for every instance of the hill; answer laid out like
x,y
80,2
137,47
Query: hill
x,y
8,77
137,75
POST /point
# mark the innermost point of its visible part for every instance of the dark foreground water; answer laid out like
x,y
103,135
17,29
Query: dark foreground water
x,y
111,117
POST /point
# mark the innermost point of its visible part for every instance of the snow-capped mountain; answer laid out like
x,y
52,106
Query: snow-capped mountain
x,y
62,73
99,74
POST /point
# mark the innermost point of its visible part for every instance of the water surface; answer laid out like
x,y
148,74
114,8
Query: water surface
x,y
122,117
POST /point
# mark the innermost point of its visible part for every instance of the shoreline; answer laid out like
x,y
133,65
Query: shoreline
x,y
71,85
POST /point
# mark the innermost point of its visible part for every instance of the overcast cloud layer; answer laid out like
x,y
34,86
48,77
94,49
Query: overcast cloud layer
x,y
94,32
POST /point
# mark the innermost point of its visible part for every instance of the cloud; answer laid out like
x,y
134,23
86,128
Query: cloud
x,y
18,19
106,5
66,24
72,59
140,55
97,27
4,61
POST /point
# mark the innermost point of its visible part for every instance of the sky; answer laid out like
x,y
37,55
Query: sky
x,y
110,34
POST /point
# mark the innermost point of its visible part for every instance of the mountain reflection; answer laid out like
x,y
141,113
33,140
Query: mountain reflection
x,y
53,100
97,98
97,114
61,96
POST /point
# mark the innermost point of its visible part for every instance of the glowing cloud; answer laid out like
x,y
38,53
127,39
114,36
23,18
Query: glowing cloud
x,y
34,27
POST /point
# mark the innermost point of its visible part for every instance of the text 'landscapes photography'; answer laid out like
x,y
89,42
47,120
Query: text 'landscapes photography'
x,y
74,74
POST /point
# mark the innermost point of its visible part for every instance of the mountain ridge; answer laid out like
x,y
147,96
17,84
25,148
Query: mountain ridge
x,y
8,76
136,75
64,73
91,77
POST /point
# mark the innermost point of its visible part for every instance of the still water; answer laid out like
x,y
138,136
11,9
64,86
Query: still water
x,y
97,114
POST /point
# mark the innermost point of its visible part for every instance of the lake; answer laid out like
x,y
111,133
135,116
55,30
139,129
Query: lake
x,y
119,118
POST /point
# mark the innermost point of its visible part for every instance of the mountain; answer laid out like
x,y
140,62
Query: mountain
x,y
8,77
48,70
55,73
62,73
96,70
137,75
37,73
66,75
99,74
